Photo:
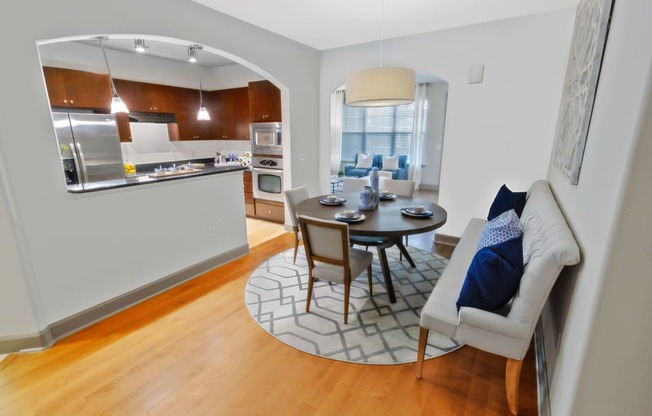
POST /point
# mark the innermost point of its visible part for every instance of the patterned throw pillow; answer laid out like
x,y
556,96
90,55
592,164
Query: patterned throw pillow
x,y
390,162
364,161
504,227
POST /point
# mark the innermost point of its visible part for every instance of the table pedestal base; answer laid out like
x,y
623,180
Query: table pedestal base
x,y
381,244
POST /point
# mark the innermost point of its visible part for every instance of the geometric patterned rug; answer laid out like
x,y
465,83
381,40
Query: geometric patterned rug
x,y
378,331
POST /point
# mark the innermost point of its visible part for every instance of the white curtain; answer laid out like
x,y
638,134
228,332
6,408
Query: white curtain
x,y
337,112
418,133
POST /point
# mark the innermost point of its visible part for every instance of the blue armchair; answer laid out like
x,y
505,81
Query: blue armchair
x,y
401,173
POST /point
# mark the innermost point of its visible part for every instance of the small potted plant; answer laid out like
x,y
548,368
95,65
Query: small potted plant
x,y
340,173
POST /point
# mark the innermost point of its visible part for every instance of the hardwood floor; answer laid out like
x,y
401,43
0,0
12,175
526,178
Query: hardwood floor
x,y
195,350
259,231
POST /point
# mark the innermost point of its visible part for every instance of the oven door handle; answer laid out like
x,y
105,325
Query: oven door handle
x,y
268,170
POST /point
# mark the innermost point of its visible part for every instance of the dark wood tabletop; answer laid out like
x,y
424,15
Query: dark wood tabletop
x,y
386,220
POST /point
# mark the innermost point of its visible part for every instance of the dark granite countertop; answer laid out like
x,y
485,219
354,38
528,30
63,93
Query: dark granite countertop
x,y
143,177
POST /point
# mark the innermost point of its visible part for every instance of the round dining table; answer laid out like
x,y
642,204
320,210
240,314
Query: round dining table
x,y
387,220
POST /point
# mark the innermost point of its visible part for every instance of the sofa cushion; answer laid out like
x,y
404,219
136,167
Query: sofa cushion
x,y
506,200
502,228
364,161
390,162
440,312
493,276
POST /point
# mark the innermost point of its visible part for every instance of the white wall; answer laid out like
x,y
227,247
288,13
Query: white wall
x,y
144,68
433,145
128,237
497,132
603,365
17,309
186,149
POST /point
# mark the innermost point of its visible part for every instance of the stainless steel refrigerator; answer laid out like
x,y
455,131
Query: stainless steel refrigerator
x,y
94,143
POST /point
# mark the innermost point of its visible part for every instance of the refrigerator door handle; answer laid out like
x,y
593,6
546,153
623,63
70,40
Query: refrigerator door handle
x,y
80,167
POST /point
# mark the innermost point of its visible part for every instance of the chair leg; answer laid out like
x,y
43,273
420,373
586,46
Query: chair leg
x,y
371,290
296,247
310,282
421,351
512,377
347,290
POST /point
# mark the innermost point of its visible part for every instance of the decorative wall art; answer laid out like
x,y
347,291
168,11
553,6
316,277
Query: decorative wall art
x,y
582,73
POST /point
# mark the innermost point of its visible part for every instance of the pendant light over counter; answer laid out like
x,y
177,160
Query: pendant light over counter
x,y
193,57
380,87
117,105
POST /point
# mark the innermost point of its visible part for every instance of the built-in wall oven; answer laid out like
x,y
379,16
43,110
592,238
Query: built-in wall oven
x,y
267,177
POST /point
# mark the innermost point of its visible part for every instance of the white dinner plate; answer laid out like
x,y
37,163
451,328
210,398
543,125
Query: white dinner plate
x,y
338,201
357,218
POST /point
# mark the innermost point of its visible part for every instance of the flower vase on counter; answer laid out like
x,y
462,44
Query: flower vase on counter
x,y
374,179
367,202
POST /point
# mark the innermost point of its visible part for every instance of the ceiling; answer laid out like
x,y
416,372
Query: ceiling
x,y
336,23
160,49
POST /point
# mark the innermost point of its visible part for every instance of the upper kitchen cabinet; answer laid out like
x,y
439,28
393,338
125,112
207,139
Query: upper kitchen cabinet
x,y
264,102
77,89
229,111
146,97
192,129
187,106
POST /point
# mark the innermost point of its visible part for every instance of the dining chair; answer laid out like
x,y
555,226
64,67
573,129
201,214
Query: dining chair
x,y
294,197
351,185
330,258
399,187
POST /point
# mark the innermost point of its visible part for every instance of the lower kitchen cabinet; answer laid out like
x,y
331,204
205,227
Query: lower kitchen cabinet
x,y
270,210
249,195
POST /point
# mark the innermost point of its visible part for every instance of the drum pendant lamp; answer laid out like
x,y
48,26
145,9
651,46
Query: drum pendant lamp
x,y
382,86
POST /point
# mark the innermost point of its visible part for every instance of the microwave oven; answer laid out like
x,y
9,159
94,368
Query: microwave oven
x,y
266,138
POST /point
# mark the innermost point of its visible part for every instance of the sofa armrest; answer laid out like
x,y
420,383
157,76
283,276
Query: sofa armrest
x,y
489,321
347,168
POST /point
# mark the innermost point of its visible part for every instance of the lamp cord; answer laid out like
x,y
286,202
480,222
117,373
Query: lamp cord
x,y
115,92
201,101
382,21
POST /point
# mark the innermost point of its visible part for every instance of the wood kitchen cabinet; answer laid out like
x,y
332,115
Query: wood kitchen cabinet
x,y
248,194
187,106
264,102
77,89
229,111
270,210
146,97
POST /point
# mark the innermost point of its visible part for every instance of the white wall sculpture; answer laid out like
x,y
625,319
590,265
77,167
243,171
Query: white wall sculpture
x,y
582,73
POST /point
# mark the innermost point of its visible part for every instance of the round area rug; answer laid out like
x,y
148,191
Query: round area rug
x,y
378,331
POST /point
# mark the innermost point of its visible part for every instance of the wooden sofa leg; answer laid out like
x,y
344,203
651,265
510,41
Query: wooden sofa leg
x,y
512,377
421,352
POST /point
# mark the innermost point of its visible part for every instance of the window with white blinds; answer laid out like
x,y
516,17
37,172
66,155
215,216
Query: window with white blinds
x,y
384,130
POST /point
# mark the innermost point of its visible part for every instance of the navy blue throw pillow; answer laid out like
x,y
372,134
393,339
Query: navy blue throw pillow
x,y
493,276
506,200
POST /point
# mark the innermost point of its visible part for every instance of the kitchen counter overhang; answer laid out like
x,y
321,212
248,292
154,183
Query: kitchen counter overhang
x,y
145,178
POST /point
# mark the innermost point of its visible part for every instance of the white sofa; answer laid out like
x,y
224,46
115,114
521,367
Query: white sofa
x,y
548,246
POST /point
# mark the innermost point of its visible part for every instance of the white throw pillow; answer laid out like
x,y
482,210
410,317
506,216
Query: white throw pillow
x,y
390,162
364,161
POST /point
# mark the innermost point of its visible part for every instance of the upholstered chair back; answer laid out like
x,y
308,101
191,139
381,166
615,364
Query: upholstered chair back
x,y
354,184
398,186
294,197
